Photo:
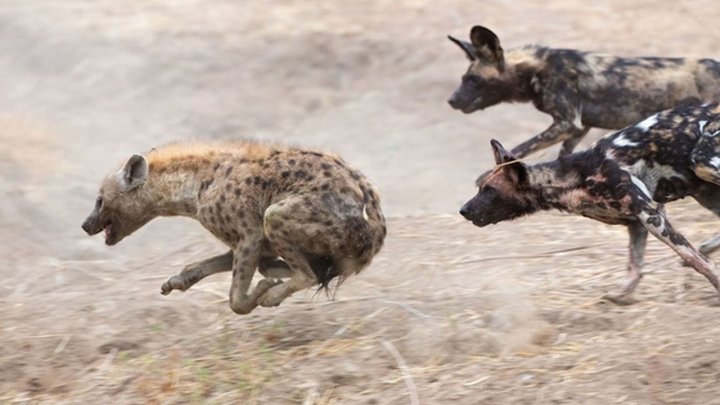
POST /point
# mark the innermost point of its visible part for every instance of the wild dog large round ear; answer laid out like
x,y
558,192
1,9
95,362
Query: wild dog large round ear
x,y
501,154
134,173
487,44
466,47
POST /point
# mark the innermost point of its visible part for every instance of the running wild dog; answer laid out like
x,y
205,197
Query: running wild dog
x,y
580,90
623,179
285,211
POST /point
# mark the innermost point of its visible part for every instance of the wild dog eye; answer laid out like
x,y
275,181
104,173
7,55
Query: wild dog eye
x,y
472,80
488,189
98,202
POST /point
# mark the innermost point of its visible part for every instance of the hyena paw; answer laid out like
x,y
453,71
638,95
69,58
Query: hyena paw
x,y
173,283
272,298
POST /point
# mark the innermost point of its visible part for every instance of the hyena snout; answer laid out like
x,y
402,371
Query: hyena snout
x,y
91,226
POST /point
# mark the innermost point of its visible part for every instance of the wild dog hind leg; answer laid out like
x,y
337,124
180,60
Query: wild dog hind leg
x,y
657,224
638,240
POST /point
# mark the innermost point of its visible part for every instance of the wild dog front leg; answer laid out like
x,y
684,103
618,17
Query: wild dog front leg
x,y
638,240
658,225
246,257
192,273
710,245
568,146
562,104
559,131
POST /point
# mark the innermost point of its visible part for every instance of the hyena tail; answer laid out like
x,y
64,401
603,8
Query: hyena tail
x,y
324,268
358,253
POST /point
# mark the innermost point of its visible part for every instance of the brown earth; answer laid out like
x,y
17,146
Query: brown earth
x,y
448,313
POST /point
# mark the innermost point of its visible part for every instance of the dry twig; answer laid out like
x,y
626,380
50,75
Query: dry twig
x,y
412,390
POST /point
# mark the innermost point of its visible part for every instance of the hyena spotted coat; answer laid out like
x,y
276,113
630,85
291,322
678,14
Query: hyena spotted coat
x,y
623,179
579,90
286,211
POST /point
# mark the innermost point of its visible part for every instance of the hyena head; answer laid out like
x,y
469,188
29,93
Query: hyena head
x,y
121,206
503,193
485,83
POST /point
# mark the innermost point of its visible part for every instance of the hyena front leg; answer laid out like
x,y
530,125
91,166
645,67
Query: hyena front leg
x,y
638,241
246,257
192,273
658,225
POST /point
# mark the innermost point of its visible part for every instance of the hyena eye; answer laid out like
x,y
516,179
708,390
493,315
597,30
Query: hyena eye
x,y
98,202
488,189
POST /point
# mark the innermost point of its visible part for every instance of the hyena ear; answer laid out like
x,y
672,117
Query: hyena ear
x,y
134,173
487,45
466,47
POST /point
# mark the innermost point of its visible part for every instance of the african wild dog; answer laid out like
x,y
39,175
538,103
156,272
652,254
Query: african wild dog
x,y
623,179
288,212
580,90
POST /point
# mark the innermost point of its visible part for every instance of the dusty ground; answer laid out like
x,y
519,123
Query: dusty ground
x,y
447,312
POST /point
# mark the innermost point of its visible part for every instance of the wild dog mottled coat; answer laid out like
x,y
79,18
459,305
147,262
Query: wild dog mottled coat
x,y
623,179
580,90
290,212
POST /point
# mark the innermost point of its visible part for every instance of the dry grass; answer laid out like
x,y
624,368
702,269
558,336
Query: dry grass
x,y
447,313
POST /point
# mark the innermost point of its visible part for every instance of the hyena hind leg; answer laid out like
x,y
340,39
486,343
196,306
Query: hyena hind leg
x,y
293,230
274,267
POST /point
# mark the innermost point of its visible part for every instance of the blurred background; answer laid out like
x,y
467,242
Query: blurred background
x,y
87,83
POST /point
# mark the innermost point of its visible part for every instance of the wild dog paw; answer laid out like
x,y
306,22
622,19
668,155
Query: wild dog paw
x,y
173,283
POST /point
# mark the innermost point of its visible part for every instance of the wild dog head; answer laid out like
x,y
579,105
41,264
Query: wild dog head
x,y
486,81
503,193
121,206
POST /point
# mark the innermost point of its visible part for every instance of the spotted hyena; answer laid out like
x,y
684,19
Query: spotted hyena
x,y
623,179
580,90
286,211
